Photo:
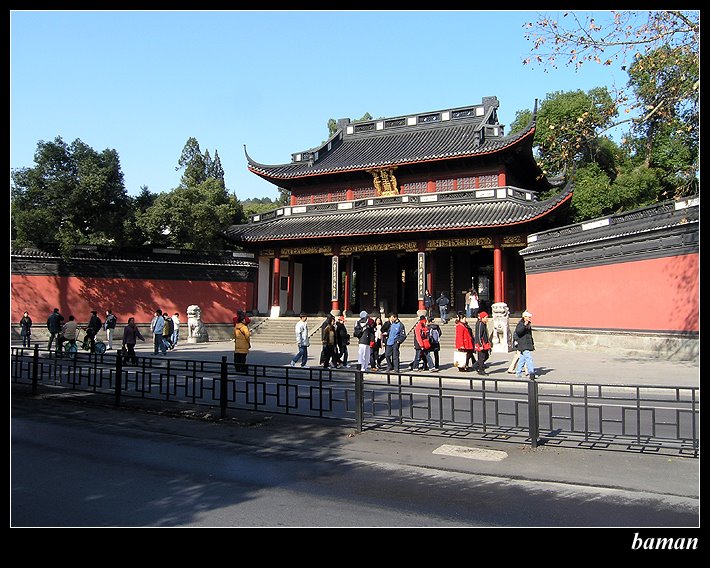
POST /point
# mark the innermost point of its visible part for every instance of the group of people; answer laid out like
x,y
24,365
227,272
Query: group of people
x,y
61,332
473,343
379,343
165,329
166,332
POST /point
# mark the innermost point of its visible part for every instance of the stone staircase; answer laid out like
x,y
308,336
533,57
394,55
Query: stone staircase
x,y
281,330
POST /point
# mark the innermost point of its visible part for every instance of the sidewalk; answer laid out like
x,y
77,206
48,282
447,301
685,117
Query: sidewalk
x,y
556,365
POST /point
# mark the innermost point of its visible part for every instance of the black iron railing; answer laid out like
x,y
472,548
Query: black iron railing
x,y
630,417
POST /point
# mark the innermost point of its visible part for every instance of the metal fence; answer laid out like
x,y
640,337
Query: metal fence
x,y
649,419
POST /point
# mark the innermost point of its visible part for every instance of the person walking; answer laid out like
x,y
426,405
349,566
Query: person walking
x,y
302,341
434,339
156,328
464,342
328,354
384,333
422,345
109,327
365,333
481,342
167,331
130,334
396,335
242,344
54,325
92,328
376,345
26,329
176,328
443,302
342,340
526,345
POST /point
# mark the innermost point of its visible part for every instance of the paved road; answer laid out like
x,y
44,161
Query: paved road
x,y
76,462
81,464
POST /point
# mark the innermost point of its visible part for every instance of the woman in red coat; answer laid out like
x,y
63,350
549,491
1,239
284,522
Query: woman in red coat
x,y
464,341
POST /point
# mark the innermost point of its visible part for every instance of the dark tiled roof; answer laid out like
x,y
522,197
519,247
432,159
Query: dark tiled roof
x,y
407,145
644,220
404,217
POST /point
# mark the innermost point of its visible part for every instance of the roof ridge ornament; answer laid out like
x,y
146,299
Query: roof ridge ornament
x,y
385,181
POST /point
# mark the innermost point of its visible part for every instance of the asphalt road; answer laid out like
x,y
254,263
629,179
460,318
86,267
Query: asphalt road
x,y
77,463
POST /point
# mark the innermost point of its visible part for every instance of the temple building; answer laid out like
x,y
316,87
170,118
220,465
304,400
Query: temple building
x,y
388,209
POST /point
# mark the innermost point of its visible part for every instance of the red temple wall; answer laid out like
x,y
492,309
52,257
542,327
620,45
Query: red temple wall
x,y
659,294
125,297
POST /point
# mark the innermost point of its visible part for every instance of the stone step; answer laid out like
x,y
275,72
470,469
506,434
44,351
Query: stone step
x,y
281,330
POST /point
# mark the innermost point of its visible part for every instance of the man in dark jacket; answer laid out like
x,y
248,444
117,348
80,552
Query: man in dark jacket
x,y
92,329
54,325
342,340
526,345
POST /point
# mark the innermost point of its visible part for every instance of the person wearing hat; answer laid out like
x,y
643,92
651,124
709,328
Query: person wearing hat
x,y
481,342
365,333
526,345
328,355
422,346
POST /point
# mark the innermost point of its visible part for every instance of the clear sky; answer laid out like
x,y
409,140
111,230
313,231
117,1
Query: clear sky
x,y
143,82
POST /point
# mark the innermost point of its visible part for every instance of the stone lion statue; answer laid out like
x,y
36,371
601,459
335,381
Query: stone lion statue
x,y
196,330
500,338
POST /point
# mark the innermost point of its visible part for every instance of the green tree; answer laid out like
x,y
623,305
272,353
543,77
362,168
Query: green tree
x,y
193,162
660,50
566,127
73,195
195,214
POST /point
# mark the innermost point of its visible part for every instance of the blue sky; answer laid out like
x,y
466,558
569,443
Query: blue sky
x,y
143,82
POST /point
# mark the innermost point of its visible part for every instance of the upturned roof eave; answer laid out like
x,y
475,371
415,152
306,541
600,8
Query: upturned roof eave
x,y
267,171
553,204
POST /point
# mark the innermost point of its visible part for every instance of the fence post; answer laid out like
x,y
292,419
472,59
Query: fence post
x,y
533,412
359,398
223,388
119,375
35,368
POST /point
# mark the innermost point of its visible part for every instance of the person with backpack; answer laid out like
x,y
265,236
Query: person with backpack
x,y
92,329
434,339
168,328
109,327
365,333
422,345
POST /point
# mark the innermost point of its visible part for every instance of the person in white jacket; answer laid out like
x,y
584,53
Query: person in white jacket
x,y
302,341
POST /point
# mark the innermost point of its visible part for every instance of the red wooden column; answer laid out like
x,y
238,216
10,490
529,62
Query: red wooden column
x,y
421,274
276,285
497,271
335,281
